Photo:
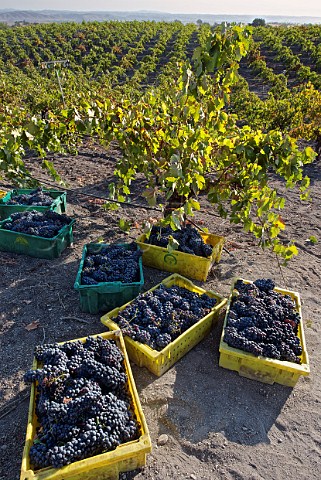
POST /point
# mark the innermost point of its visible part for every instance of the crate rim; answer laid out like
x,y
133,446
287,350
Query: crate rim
x,y
9,193
33,189
170,279
116,454
302,369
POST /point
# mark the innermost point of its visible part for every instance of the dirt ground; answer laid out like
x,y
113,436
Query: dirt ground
x,y
218,425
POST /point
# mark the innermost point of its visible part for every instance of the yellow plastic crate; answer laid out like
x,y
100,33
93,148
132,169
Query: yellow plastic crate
x,y
263,369
192,266
159,362
106,466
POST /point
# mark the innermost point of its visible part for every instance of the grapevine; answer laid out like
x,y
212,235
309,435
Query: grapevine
x,y
183,128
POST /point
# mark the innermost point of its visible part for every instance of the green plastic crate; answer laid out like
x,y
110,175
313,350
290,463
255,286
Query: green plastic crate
x,y
59,202
105,296
34,246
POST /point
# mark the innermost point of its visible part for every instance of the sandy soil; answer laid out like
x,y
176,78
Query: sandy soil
x,y
219,425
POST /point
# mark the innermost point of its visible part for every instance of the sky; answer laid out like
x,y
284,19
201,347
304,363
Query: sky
x,y
244,7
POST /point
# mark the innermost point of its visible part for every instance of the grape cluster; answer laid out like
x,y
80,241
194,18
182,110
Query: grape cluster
x,y
36,198
82,403
189,239
263,322
113,263
46,224
157,318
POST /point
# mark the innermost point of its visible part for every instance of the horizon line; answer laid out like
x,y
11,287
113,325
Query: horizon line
x,y
158,12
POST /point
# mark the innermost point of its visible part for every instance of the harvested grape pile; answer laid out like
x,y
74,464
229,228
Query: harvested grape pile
x,y
189,239
113,263
263,322
157,318
82,403
47,224
36,198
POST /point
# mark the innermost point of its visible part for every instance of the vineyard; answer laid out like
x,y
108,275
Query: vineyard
x,y
134,56
212,129
139,55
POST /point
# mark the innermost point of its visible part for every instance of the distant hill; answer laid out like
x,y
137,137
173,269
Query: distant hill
x,y
11,16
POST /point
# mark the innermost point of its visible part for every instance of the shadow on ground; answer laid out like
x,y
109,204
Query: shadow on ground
x,y
208,399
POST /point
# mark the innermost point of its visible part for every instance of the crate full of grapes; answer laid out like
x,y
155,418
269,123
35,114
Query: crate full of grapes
x,y
163,324
195,256
85,419
19,200
37,234
263,337
109,275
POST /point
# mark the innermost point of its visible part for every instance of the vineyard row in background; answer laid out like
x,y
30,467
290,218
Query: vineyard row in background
x,y
141,54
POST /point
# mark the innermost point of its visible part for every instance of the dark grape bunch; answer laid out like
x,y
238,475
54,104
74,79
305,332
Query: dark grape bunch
x,y
157,318
82,403
263,322
37,198
46,224
113,263
189,239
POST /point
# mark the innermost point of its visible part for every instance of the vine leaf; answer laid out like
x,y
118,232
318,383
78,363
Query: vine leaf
x,y
312,239
124,225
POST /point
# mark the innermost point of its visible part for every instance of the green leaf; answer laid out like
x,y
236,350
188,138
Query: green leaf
x,y
110,206
112,190
194,204
29,135
150,195
274,231
172,244
124,225
171,179
175,223
313,239
51,169
293,250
